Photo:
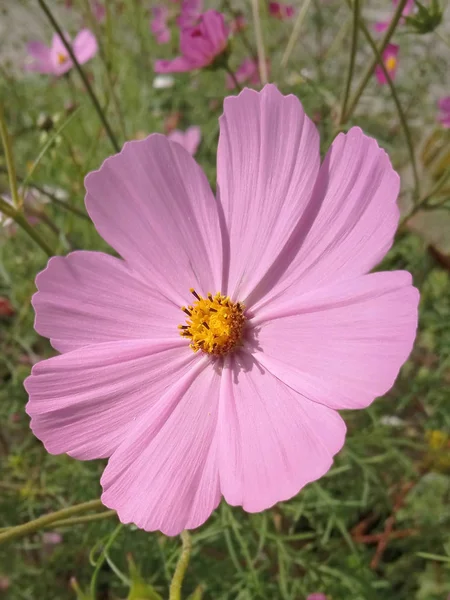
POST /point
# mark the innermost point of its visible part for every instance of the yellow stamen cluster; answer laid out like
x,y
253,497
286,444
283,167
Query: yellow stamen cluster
x,y
391,63
61,58
214,324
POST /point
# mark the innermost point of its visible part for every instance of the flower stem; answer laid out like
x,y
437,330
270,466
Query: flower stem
x,y
422,204
295,33
259,43
7,146
398,105
82,74
369,71
351,62
88,519
101,560
41,522
183,561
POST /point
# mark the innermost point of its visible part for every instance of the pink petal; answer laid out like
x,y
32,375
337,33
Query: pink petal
x,y
90,297
86,402
341,345
193,139
349,224
58,49
267,163
381,26
164,476
180,64
42,62
85,46
153,204
272,440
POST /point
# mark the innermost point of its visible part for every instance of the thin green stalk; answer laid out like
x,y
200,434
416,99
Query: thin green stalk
x,y
82,74
340,36
398,105
88,519
180,570
351,62
295,33
259,43
422,204
41,522
369,71
7,146
101,560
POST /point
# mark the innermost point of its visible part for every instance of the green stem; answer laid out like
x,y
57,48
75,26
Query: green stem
x,y
180,570
401,114
351,62
369,71
82,74
88,519
45,520
295,33
259,43
101,560
422,204
7,146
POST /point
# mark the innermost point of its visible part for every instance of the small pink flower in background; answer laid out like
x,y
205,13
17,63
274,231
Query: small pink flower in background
x,y
247,71
158,24
199,45
190,13
212,358
51,538
56,60
281,11
444,111
239,23
390,60
32,203
6,308
98,10
381,26
189,139
316,597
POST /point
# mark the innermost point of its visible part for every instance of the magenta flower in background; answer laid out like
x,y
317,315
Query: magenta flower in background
x,y
444,111
390,60
381,26
189,139
199,45
238,23
158,25
98,10
247,71
56,60
191,11
281,11
212,358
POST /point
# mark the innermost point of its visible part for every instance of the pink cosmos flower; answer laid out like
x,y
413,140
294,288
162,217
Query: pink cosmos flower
x,y
444,108
281,11
268,283
189,139
56,60
158,25
381,26
199,45
191,11
247,71
99,11
390,59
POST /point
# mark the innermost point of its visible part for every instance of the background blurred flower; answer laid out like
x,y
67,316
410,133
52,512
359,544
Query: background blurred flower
x,y
51,538
158,25
199,45
390,60
98,10
56,60
189,139
248,70
444,111
281,11
163,82
190,13
238,23
316,597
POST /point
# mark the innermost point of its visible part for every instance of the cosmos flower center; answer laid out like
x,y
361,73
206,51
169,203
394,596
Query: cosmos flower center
x,y
214,324
61,58
391,63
